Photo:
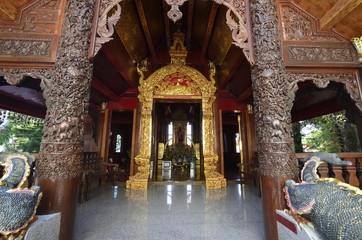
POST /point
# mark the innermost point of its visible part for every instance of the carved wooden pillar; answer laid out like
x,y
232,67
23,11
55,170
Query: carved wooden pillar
x,y
67,96
272,111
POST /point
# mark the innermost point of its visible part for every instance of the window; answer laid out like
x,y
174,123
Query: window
x,y
237,143
189,134
169,135
118,143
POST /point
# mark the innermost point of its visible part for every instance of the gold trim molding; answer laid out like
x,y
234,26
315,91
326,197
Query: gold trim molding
x,y
357,43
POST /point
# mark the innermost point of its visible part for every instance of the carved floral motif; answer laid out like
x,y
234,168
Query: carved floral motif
x,y
27,47
331,53
299,25
351,82
177,84
105,28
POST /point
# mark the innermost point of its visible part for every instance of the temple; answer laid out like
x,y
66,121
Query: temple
x,y
178,90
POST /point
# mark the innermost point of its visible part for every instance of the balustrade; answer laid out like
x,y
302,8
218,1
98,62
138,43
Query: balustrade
x,y
348,174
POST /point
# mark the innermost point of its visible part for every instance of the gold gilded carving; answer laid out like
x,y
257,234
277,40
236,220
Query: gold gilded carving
x,y
177,84
197,151
166,81
161,150
357,43
178,51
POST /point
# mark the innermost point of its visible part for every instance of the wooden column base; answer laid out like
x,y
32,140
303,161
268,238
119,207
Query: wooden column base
x,y
272,198
60,195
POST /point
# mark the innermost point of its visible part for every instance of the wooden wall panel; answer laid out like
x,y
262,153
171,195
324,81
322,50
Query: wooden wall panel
x,y
31,38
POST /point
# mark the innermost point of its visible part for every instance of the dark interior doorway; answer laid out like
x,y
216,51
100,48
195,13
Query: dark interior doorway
x,y
121,142
231,145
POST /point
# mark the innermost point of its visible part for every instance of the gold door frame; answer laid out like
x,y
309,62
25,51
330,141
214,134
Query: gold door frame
x,y
193,85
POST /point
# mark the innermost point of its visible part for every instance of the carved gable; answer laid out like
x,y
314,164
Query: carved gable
x,y
304,45
297,24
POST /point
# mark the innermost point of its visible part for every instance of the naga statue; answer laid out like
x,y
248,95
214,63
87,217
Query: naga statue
x,y
333,207
17,205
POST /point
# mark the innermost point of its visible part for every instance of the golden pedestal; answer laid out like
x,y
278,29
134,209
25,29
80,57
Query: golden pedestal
x,y
137,184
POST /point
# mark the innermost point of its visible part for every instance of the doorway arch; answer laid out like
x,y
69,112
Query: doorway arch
x,y
182,82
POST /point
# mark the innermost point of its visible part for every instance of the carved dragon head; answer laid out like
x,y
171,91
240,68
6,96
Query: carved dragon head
x,y
299,197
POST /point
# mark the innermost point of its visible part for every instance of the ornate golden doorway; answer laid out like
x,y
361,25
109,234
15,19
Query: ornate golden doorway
x,y
177,81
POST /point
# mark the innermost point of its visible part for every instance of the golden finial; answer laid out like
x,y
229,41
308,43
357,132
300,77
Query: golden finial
x,y
178,52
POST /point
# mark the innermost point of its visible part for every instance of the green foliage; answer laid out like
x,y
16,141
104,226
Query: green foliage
x,y
329,133
21,135
297,137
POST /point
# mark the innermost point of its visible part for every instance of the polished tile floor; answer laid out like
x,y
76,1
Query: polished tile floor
x,y
179,211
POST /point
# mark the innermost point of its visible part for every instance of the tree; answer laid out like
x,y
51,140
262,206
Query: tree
x,y
297,133
23,133
332,133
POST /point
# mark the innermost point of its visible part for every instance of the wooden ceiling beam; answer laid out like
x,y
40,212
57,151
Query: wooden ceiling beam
x,y
337,13
244,95
7,10
106,91
189,23
146,30
167,24
209,28
232,71
106,50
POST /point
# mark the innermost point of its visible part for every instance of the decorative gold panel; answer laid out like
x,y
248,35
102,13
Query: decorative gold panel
x,y
177,84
